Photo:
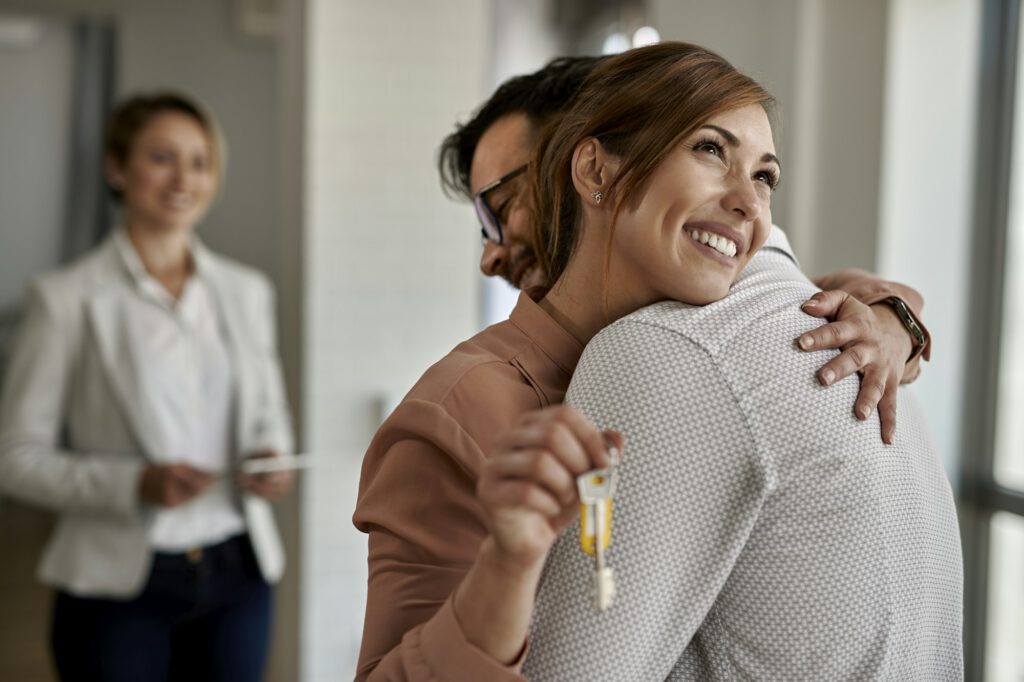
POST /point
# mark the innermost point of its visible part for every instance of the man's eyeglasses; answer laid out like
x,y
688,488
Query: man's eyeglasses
x,y
490,226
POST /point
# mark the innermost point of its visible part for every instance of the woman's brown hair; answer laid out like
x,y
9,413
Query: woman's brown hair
x,y
133,114
639,104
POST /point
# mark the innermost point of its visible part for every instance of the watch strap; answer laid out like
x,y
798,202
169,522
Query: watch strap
x,y
918,335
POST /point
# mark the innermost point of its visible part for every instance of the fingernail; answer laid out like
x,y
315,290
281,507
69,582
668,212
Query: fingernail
x,y
828,376
862,412
808,303
806,342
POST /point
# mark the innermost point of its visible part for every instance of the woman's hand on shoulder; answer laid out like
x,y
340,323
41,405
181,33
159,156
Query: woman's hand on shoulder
x,y
528,484
874,343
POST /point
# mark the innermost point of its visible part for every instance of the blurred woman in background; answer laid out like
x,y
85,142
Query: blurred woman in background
x,y
144,373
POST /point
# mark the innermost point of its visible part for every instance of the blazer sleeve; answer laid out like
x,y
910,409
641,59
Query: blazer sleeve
x,y
33,466
418,504
274,416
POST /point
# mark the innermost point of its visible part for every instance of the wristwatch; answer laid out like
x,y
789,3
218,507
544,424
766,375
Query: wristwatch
x,y
917,336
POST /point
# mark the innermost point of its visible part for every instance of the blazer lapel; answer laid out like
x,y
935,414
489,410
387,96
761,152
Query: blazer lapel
x,y
110,328
232,312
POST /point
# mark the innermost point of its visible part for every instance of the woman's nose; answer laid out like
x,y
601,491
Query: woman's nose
x,y
742,199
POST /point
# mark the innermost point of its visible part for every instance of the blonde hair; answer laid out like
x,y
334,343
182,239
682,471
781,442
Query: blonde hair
x,y
129,117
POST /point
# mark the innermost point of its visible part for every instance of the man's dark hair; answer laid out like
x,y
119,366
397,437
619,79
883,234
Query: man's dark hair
x,y
539,95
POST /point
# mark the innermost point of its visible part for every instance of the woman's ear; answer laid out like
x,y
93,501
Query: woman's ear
x,y
112,170
593,170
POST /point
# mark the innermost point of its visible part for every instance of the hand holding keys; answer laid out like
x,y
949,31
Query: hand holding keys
x,y
597,488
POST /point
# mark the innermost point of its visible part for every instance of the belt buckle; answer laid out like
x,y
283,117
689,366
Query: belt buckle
x,y
194,555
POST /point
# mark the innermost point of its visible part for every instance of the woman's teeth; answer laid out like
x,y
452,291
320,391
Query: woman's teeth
x,y
724,246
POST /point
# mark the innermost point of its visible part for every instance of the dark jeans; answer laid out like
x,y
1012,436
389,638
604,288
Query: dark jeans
x,y
199,618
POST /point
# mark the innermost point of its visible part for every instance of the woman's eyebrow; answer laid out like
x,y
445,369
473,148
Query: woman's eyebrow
x,y
729,137
735,142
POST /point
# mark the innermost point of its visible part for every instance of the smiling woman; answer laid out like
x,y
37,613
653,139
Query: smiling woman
x,y
144,372
679,146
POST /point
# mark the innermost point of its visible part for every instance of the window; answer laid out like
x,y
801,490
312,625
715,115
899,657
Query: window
x,y
993,500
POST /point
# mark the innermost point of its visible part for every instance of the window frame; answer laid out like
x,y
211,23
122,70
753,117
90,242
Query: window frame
x,y
981,496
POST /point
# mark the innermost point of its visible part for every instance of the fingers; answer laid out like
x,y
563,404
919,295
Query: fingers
x,y
825,303
271,486
192,479
564,432
872,387
835,334
546,451
848,362
887,413
540,468
520,494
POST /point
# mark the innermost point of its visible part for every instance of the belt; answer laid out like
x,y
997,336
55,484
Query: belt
x,y
232,550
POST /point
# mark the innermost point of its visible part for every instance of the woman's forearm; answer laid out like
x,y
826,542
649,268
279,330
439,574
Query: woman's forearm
x,y
494,603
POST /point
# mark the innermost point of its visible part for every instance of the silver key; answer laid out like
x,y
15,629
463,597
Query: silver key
x,y
597,488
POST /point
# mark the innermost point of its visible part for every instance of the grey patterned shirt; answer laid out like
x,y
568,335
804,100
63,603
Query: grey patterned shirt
x,y
760,531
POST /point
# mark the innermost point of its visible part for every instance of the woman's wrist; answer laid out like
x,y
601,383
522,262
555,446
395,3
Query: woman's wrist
x,y
494,602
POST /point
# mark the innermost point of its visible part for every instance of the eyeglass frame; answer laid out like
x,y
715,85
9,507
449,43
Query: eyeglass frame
x,y
485,214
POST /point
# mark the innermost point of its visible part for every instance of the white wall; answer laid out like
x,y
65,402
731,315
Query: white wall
x,y
927,183
390,263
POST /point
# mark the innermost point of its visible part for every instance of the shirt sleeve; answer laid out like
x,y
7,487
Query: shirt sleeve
x,y
690,489
418,504
33,467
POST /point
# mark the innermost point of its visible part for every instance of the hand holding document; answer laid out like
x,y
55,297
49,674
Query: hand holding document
x,y
263,465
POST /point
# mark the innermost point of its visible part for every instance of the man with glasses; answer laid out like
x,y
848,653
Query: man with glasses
x,y
436,581
486,160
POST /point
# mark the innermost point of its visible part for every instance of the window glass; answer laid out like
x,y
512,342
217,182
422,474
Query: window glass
x,y
1005,633
1009,446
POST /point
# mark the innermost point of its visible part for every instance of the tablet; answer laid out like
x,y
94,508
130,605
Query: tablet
x,y
263,465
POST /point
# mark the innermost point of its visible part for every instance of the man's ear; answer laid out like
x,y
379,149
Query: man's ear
x,y
593,170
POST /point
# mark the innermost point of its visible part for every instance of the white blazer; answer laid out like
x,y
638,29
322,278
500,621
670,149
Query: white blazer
x,y
72,436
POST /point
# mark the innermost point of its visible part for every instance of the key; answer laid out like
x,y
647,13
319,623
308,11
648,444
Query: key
x,y
597,488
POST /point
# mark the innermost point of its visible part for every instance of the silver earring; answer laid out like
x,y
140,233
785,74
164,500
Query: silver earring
x,y
598,195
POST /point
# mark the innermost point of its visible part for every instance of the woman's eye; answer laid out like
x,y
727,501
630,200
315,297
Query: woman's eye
x,y
770,179
711,147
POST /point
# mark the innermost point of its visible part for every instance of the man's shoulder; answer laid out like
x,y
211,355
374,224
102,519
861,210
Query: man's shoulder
x,y
764,303
485,357
462,402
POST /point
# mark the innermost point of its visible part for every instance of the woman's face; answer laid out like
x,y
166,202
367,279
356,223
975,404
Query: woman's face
x,y
168,179
704,213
